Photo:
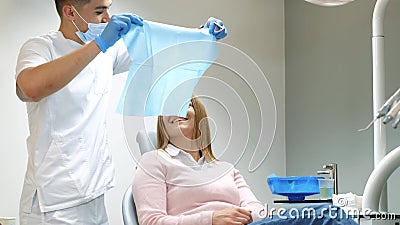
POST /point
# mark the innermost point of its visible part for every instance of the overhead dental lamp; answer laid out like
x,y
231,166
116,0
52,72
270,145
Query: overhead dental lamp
x,y
329,2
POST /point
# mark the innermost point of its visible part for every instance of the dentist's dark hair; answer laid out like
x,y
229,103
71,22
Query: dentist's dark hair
x,y
77,3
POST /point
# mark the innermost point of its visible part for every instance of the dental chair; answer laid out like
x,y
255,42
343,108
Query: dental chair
x,y
147,141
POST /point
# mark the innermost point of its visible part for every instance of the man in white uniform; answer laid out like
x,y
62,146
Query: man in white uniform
x,y
65,78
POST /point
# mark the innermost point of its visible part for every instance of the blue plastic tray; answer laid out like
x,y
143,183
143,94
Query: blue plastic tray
x,y
296,188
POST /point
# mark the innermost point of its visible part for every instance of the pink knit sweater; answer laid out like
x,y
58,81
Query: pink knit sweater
x,y
172,188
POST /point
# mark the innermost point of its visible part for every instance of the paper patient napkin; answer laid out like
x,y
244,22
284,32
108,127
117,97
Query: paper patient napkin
x,y
167,62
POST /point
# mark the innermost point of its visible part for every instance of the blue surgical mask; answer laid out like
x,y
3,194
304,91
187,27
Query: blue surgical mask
x,y
94,30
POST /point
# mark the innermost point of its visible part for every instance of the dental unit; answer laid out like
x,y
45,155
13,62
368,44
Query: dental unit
x,y
375,191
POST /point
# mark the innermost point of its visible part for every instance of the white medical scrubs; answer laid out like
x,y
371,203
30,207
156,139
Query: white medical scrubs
x,y
69,162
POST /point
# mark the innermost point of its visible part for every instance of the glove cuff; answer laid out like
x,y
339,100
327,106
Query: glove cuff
x,y
101,43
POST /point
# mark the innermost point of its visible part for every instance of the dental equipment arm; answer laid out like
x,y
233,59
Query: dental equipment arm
x,y
396,121
392,113
389,111
378,178
388,104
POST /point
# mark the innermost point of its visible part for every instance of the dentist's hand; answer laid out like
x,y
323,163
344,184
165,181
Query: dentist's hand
x,y
216,27
116,27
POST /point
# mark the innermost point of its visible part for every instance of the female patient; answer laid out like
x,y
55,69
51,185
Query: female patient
x,y
183,183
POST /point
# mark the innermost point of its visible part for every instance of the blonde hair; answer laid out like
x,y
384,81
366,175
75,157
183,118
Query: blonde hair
x,y
201,131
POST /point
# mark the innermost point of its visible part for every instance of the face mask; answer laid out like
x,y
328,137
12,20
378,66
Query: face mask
x,y
95,29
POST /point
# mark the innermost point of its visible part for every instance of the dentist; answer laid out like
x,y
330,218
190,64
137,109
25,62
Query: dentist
x,y
65,77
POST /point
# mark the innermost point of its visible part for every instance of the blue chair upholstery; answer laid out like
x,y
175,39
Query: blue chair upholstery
x,y
129,208
147,142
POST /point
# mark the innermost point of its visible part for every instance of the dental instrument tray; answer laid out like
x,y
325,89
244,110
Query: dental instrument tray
x,y
296,188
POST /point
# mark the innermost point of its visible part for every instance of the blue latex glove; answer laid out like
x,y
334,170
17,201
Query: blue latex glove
x,y
116,27
216,27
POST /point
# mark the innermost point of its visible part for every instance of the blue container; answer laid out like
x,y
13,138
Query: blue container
x,y
296,188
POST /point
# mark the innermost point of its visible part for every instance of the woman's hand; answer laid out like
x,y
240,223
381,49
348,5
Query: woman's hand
x,y
230,216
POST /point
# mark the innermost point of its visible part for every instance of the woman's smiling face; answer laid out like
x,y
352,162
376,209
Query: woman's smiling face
x,y
176,126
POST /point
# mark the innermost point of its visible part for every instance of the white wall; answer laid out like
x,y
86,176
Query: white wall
x,y
265,45
329,90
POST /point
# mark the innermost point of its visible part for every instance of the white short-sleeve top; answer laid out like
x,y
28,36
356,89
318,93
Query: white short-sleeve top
x,y
69,162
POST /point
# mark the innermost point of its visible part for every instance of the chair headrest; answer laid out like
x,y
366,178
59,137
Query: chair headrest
x,y
147,141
